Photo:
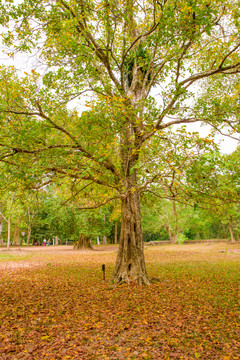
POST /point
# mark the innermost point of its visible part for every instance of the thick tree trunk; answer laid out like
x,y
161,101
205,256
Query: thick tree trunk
x,y
84,242
130,264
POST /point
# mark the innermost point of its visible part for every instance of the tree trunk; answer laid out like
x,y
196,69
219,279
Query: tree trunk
x,y
169,233
104,240
56,240
230,227
30,218
130,264
1,228
116,233
29,235
175,231
16,238
9,233
83,242
173,235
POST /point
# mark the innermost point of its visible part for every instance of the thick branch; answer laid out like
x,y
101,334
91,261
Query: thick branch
x,y
76,194
209,73
105,163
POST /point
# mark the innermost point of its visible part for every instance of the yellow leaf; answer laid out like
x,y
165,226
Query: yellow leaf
x,y
45,337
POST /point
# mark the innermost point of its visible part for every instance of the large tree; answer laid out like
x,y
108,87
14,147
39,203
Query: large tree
x,y
123,52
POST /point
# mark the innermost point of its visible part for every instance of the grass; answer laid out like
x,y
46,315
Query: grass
x,y
55,305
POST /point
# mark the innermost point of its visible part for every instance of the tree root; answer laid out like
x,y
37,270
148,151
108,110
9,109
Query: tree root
x,y
124,278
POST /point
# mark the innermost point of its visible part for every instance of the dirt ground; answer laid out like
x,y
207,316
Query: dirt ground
x,y
56,305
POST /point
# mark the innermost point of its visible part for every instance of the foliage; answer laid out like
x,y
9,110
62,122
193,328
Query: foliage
x,y
181,238
125,142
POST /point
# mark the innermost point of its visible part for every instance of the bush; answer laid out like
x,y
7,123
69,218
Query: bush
x,y
181,238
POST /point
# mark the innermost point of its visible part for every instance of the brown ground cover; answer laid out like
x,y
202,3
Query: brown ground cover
x,y
55,305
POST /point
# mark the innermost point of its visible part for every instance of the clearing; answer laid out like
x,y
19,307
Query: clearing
x,y
54,304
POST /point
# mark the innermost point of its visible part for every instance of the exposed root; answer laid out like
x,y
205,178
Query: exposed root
x,y
124,278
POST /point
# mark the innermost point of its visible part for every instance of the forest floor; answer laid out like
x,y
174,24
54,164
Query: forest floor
x,y
54,304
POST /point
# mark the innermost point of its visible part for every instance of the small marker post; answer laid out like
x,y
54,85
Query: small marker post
x,y
103,270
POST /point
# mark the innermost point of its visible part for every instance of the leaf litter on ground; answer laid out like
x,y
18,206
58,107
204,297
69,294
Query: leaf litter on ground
x,y
62,308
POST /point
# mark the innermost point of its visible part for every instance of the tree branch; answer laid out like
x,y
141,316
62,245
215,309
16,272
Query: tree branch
x,y
99,204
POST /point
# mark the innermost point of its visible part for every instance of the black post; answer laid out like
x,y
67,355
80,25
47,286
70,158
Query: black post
x,y
103,270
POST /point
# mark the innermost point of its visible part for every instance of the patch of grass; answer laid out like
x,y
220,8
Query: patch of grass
x,y
14,255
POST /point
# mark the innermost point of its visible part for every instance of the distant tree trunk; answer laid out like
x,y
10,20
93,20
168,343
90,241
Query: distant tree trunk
x,y
116,233
83,242
173,229
9,229
173,235
104,240
1,228
29,234
30,218
16,237
9,233
230,227
56,240
169,232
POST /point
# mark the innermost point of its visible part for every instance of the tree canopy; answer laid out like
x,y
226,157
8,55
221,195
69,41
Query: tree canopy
x,y
123,143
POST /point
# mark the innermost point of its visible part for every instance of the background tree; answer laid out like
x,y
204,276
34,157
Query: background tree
x,y
118,51
214,184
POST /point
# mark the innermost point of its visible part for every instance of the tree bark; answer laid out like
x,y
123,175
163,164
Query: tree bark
x,y
130,264
173,234
9,233
1,228
230,227
83,243
104,240
16,238
29,235
116,233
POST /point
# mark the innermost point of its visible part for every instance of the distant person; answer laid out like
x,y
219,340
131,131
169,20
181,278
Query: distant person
x,y
49,242
44,242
